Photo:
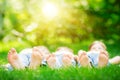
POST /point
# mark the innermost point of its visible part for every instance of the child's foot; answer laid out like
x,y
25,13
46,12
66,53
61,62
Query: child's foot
x,y
67,60
103,59
14,60
83,59
51,60
36,58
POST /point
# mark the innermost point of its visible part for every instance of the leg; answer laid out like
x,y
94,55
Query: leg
x,y
83,59
14,59
115,60
103,59
36,58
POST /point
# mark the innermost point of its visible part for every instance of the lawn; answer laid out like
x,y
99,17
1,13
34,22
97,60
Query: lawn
x,y
111,72
55,23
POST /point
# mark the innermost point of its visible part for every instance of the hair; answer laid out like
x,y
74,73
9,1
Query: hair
x,y
98,42
64,48
44,49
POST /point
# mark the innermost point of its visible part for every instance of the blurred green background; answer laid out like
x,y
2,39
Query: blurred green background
x,y
53,23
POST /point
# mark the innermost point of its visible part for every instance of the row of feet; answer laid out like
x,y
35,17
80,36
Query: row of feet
x,y
37,57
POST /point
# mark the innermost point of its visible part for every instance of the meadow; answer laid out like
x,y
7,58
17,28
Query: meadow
x,y
54,23
111,72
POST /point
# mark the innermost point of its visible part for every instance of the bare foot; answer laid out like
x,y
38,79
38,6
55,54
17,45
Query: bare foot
x,y
51,60
83,59
67,60
36,58
14,60
103,59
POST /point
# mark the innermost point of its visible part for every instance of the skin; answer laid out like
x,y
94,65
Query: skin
x,y
67,57
96,46
36,58
103,57
83,59
14,60
38,53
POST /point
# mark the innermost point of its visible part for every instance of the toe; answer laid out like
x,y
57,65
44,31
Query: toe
x,y
105,53
12,51
81,53
35,49
9,52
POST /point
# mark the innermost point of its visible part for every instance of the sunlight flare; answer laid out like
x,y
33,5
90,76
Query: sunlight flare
x,y
50,10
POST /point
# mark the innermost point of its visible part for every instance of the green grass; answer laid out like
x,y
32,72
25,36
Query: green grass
x,y
108,73
111,72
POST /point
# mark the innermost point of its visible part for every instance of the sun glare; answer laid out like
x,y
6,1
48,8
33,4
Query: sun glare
x,y
50,10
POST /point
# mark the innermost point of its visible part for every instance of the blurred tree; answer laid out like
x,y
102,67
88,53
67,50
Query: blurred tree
x,y
2,14
106,14
77,20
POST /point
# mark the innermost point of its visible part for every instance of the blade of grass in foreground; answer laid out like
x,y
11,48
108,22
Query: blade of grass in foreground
x,y
108,73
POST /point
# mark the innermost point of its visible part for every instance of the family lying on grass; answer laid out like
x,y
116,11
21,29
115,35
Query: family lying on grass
x,y
96,56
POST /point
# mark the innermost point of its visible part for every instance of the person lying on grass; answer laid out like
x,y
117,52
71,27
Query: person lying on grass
x,y
63,57
97,56
40,55
30,57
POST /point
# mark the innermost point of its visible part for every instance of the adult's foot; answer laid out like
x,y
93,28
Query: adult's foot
x,y
36,58
14,60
